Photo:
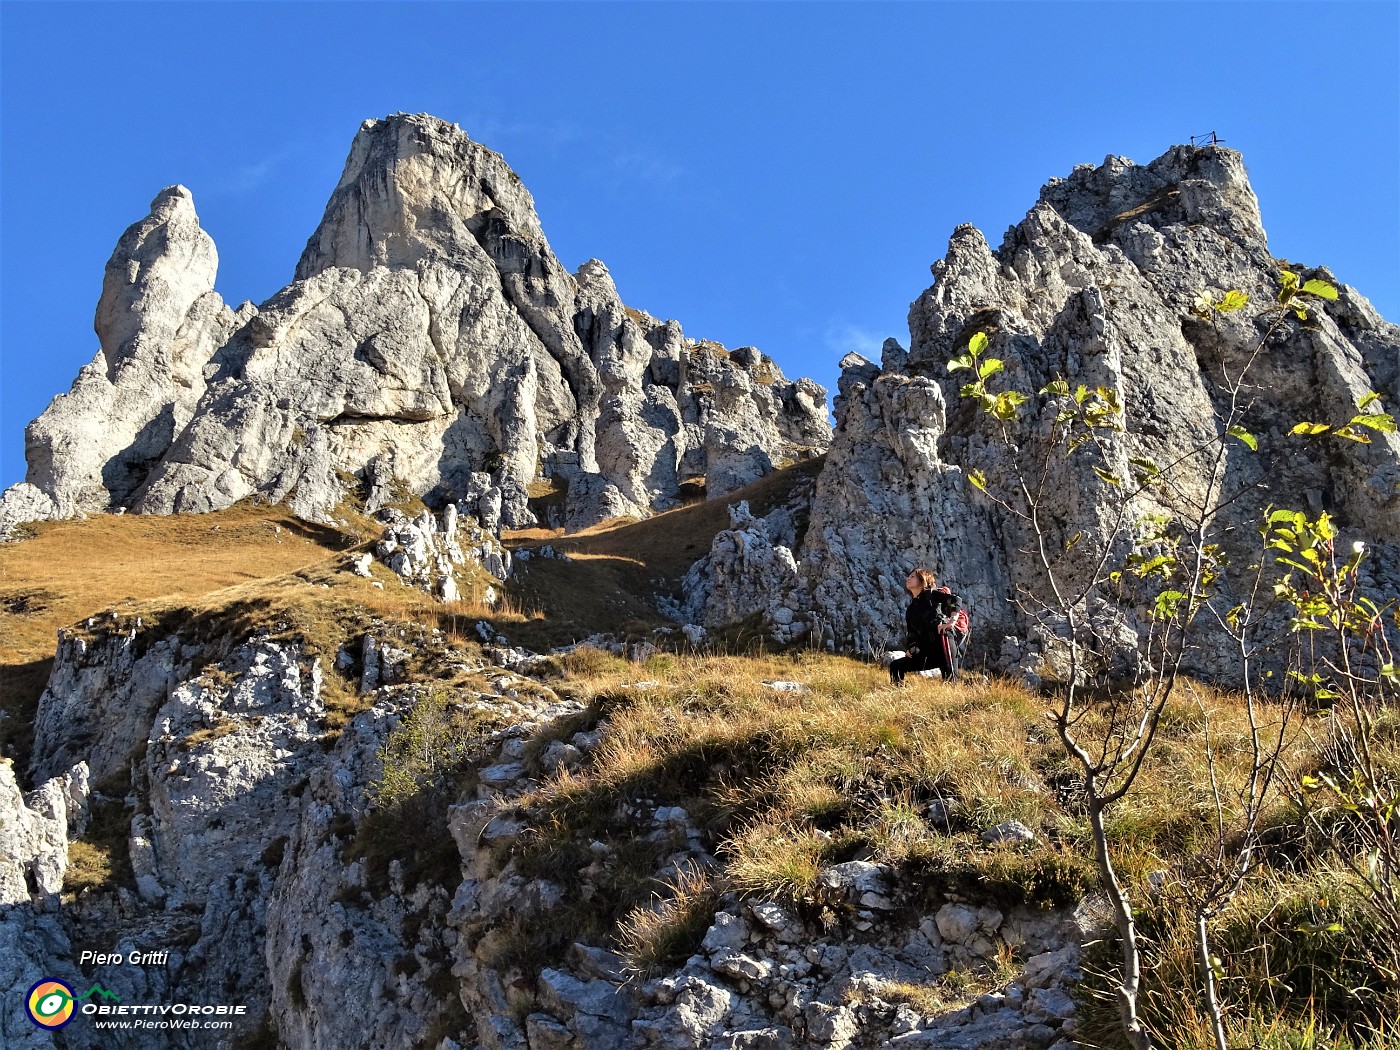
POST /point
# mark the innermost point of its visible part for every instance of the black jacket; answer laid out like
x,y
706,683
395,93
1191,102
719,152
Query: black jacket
x,y
924,615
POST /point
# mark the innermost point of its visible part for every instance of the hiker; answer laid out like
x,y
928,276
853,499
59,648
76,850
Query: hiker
x,y
930,622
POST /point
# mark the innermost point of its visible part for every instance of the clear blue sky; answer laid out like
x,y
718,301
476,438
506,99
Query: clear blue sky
x,y
772,174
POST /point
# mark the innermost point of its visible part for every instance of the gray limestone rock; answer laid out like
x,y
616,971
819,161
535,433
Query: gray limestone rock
x,y
430,338
158,322
1096,285
21,504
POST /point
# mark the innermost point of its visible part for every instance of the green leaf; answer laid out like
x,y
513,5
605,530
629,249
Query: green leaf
x,y
978,479
977,343
1004,405
1059,388
1145,465
1289,281
1163,563
1237,300
1310,429
1104,475
961,361
1081,394
1321,289
1298,311
1168,601
990,367
1245,436
1368,400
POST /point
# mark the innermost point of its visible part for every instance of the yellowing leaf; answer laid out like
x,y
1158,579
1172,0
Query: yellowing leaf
x,y
1383,422
1350,433
1104,475
1060,388
1310,429
978,479
1233,301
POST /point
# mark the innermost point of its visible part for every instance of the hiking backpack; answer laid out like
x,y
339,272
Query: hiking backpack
x,y
961,634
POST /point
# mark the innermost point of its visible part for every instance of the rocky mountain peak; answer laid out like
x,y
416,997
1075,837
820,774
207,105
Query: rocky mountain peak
x,y
160,267
1097,285
416,188
430,335
1187,184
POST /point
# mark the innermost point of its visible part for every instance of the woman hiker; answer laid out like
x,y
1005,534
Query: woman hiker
x,y
929,623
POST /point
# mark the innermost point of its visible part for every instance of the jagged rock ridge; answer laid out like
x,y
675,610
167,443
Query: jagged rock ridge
x,y
1097,284
430,333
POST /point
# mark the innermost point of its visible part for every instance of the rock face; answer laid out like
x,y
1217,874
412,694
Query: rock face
x,y
1097,285
430,334
265,866
159,321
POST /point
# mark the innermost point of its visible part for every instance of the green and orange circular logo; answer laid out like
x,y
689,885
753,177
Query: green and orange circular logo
x,y
50,1003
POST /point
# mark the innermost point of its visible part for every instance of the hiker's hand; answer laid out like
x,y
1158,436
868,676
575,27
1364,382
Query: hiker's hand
x,y
913,650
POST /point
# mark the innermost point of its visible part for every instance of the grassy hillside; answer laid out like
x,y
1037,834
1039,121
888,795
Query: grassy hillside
x,y
783,782
617,567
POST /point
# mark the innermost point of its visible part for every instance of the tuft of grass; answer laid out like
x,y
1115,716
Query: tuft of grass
x,y
669,929
777,860
950,991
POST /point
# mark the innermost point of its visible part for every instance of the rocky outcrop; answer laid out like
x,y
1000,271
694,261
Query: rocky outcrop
x,y
159,322
1097,285
428,551
762,975
430,334
34,943
268,867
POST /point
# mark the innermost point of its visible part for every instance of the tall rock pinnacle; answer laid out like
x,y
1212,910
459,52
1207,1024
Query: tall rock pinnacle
x,y
158,322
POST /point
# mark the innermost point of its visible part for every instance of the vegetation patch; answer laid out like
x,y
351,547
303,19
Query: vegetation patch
x,y
101,858
423,764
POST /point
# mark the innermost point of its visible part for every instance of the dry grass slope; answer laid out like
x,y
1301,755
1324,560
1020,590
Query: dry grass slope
x,y
782,782
786,783
617,566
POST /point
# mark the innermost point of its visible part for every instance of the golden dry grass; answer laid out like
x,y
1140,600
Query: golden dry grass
x,y
618,565
219,577
786,783
66,571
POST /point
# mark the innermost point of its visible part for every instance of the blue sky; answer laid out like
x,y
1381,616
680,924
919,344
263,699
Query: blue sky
x,y
779,175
